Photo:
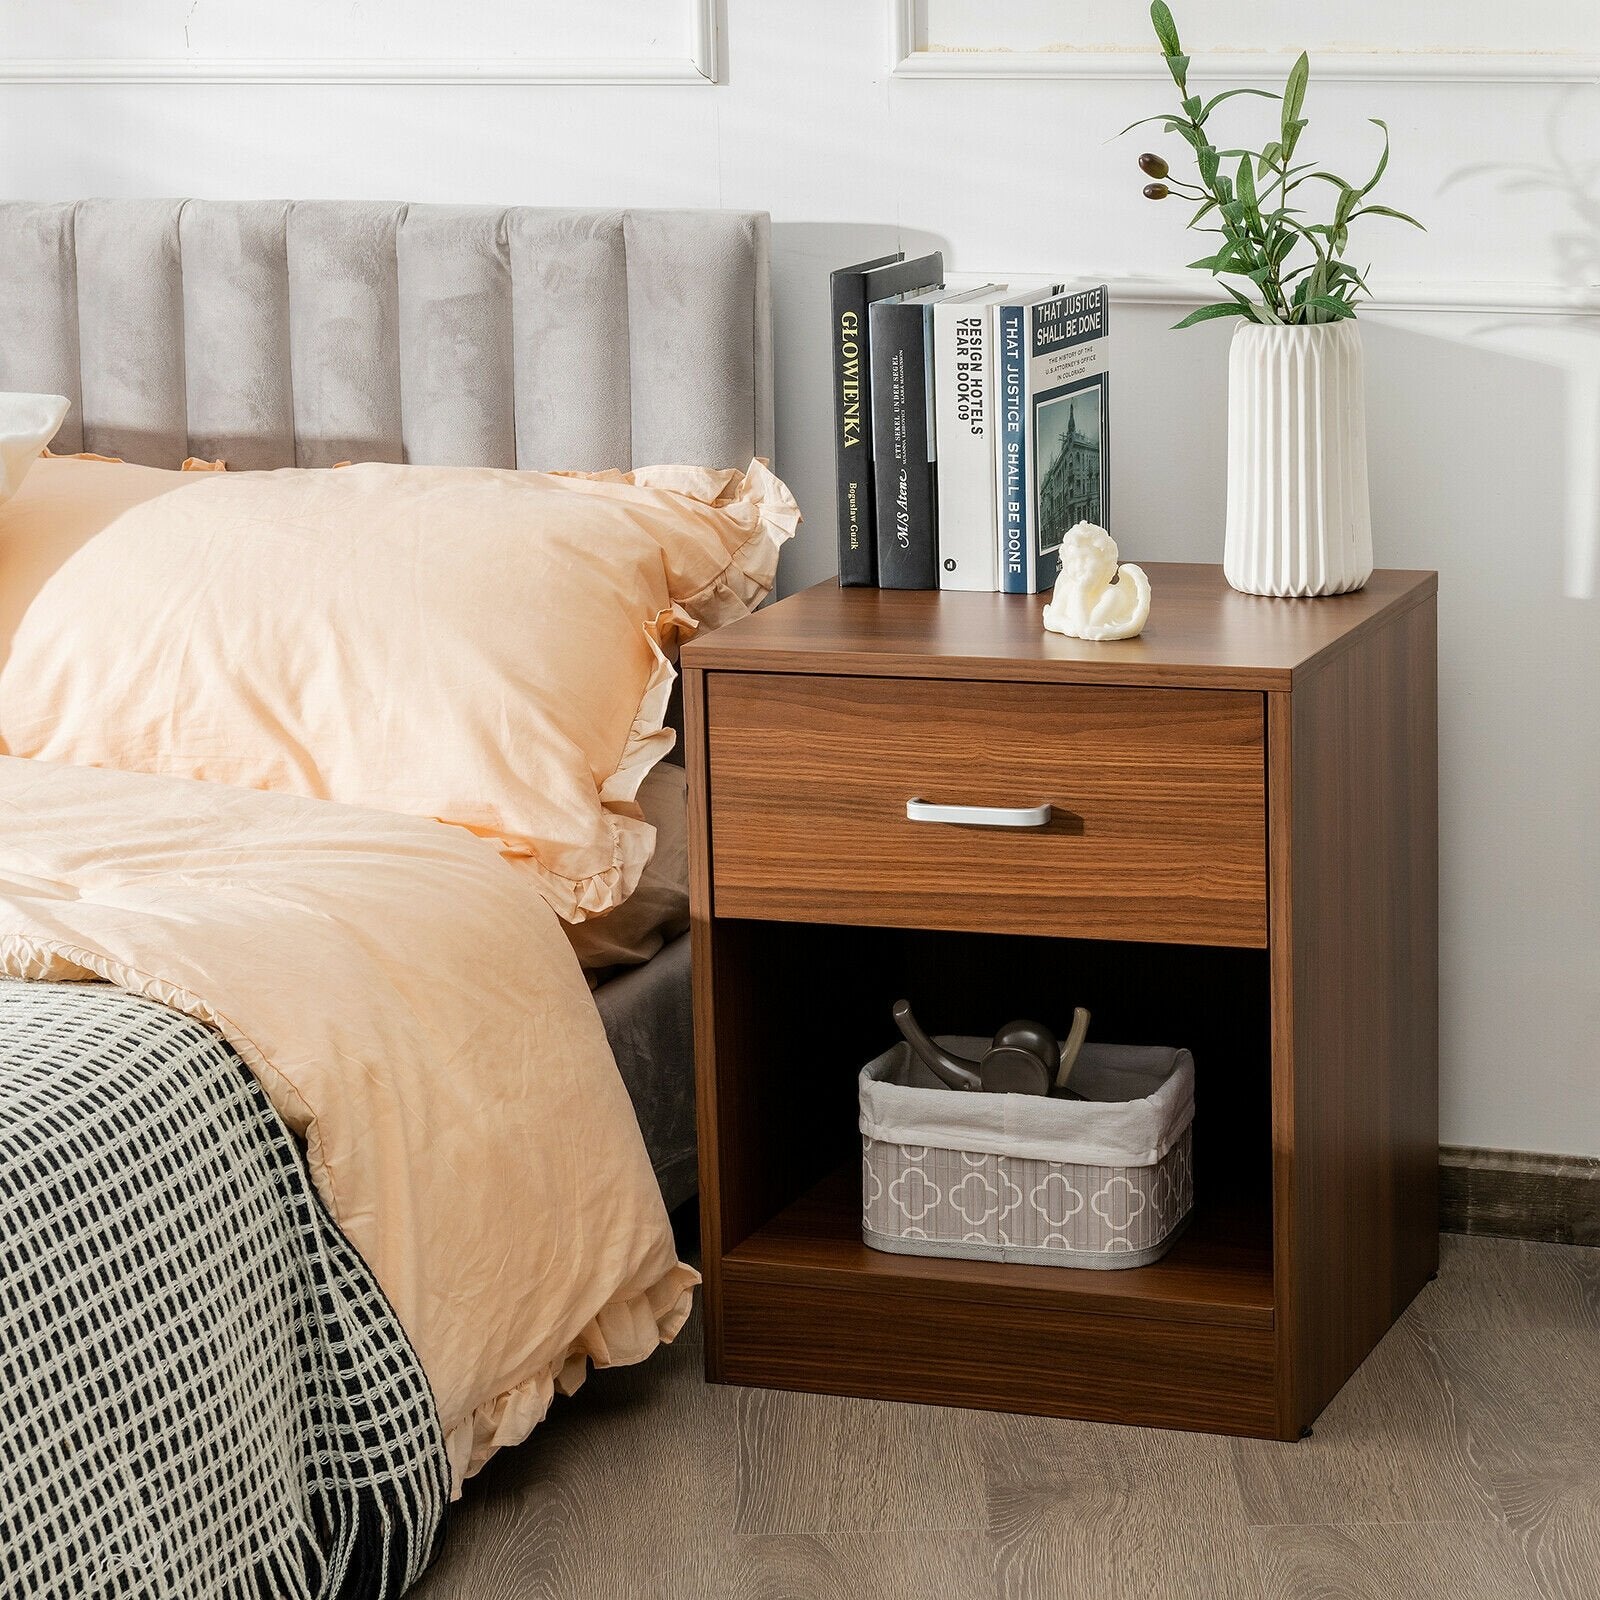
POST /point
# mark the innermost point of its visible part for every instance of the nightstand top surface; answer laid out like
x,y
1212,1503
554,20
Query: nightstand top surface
x,y
1201,634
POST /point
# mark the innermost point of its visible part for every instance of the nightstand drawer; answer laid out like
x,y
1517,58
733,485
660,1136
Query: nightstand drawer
x,y
1156,824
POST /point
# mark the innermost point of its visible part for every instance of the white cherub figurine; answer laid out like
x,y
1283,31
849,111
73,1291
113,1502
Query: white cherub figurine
x,y
1094,598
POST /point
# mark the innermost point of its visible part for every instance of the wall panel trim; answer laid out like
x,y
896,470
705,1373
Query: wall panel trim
x,y
908,59
1185,289
700,67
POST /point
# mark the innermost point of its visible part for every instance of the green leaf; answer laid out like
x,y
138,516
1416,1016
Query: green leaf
x,y
1192,107
1257,313
1387,211
1325,177
1178,66
1190,136
1343,269
1228,94
1268,159
1205,210
1166,28
1247,190
1338,309
1210,313
1162,117
1347,204
1383,160
1208,162
1294,94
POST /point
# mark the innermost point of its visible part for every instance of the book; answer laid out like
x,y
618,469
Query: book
x,y
1067,386
851,291
963,412
1011,434
902,440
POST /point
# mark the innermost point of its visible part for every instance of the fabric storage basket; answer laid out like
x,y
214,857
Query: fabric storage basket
x,y
1105,1181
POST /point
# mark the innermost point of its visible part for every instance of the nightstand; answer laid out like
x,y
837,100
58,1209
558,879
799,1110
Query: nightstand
x,y
1240,857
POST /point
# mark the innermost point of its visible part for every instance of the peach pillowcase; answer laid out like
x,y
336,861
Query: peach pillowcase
x,y
490,648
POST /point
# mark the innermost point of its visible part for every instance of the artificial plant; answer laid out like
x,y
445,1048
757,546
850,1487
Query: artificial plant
x,y
1264,236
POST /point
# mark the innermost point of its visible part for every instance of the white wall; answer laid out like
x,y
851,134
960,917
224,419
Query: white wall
x,y
1485,403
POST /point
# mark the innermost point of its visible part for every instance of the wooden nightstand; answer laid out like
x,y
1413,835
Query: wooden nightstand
x,y
1241,858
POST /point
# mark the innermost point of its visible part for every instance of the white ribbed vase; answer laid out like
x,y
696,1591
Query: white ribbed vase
x,y
1299,521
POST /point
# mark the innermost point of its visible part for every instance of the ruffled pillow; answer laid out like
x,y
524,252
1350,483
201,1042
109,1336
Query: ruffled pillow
x,y
490,648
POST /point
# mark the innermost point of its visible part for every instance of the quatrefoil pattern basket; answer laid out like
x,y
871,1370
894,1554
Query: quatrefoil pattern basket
x,y
1105,1181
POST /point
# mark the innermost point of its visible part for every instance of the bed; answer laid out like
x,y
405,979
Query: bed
x,y
308,334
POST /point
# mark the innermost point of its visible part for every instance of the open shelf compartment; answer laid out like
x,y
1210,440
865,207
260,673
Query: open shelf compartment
x,y
1188,1340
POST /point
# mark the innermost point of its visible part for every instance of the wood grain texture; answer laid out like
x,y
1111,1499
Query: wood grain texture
x,y
1081,1509
1513,1284
1514,1194
826,1465
1201,634
1463,1462
1159,796
891,1338
1535,1442
1465,1561
1391,1451
884,1566
1299,788
1352,757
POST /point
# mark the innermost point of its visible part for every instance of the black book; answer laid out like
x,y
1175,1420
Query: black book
x,y
902,441
853,290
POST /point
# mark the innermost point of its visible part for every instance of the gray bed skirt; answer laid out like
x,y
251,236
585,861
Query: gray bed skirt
x,y
649,1016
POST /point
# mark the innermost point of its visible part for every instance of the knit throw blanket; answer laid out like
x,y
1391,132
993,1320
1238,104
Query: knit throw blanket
x,y
203,1391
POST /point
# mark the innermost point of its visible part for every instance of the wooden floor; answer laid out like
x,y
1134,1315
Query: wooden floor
x,y
1462,1462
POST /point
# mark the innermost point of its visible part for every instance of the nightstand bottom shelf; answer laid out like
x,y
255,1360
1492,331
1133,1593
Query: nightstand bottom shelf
x,y
1186,1342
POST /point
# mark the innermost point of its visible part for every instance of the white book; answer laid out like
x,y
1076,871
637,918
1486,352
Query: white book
x,y
963,405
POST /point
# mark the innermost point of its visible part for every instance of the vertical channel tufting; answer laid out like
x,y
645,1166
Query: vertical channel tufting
x,y
569,298
692,306
39,308
344,332
274,332
456,337
130,330
236,331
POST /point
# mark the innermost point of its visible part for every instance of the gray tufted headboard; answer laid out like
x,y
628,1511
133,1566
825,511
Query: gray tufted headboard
x,y
281,333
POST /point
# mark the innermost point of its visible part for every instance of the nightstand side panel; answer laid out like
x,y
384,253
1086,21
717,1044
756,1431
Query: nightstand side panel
x,y
1354,956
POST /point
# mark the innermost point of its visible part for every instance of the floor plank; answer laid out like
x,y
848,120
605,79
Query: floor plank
x,y
849,1566
1386,1449
1392,1561
1511,1283
1529,1401
1462,1460
821,1464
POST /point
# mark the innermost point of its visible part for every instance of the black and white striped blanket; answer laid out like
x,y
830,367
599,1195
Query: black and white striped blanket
x,y
203,1392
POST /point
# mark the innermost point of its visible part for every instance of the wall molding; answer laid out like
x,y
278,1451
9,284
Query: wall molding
x,y
1187,289
908,59
701,67
1515,1195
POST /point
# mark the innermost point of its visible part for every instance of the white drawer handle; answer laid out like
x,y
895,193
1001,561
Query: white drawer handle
x,y
980,816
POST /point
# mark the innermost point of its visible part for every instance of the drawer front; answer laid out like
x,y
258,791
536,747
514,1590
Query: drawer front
x,y
1157,825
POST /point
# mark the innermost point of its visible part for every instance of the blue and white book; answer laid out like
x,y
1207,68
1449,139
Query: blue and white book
x,y
1067,392
1011,335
